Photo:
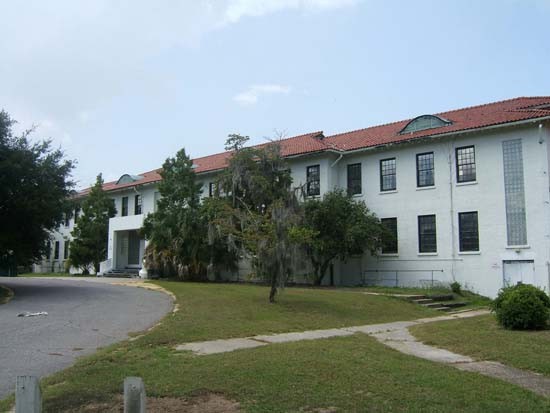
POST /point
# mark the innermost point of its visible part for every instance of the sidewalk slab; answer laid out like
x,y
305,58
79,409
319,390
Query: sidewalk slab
x,y
220,346
305,335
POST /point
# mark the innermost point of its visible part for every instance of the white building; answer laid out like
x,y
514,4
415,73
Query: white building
x,y
466,192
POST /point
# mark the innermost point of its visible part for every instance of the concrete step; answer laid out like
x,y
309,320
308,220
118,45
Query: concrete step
x,y
442,297
423,301
434,305
455,304
415,297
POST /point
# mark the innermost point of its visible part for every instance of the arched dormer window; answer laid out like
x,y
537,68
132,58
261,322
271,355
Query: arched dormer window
x,y
424,122
128,179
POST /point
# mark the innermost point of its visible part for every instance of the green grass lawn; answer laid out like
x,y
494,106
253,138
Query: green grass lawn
x,y
482,338
5,295
344,374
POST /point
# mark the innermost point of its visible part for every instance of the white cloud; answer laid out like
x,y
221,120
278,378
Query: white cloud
x,y
237,9
253,93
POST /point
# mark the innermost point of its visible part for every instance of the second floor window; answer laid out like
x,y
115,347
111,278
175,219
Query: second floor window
x,y
137,205
124,211
211,189
468,231
465,164
354,179
313,183
425,169
389,238
427,234
388,180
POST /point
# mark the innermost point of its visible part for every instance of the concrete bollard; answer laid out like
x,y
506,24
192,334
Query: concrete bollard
x,y
134,395
28,398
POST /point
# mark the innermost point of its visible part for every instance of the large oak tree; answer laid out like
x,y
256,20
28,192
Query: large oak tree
x,y
35,188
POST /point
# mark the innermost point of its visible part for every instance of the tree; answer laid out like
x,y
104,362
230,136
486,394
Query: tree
x,y
91,232
337,227
259,209
35,187
178,230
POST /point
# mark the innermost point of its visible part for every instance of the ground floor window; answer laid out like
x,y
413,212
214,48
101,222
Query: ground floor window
x,y
389,238
427,234
468,231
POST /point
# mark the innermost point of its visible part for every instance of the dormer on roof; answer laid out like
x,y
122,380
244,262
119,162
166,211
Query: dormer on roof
x,y
424,122
128,179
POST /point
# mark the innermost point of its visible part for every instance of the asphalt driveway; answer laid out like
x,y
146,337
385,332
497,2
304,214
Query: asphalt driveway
x,y
82,316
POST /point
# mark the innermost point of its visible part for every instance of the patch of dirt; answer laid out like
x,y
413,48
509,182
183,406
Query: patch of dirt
x,y
204,403
321,410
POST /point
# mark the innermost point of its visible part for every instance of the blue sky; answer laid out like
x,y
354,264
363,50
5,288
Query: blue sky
x,y
122,85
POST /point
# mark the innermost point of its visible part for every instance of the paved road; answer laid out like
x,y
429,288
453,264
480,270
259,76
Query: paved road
x,y
82,316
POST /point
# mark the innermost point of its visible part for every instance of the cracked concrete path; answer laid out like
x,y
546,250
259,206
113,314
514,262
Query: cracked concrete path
x,y
397,336
82,316
223,346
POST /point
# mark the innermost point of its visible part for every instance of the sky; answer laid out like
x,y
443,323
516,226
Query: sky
x,y
120,85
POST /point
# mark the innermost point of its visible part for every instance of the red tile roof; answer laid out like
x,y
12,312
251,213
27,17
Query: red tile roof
x,y
475,117
297,145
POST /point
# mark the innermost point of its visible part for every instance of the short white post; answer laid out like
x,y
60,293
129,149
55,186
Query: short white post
x,y
134,395
28,398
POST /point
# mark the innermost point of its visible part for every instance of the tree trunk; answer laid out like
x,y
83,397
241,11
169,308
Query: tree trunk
x,y
273,291
322,272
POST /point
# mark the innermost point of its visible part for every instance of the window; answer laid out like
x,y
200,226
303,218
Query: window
x,y
427,238
137,205
354,179
66,250
514,192
468,231
156,198
56,251
313,185
67,219
211,189
425,169
425,122
389,238
76,211
465,164
387,175
124,206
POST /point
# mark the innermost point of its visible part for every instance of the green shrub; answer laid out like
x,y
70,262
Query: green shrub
x,y
456,288
522,307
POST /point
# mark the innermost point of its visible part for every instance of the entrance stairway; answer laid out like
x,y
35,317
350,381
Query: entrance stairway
x,y
122,273
444,302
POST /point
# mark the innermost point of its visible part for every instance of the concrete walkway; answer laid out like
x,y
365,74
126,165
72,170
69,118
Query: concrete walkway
x,y
395,335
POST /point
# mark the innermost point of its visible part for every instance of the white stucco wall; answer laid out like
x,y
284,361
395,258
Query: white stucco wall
x,y
481,272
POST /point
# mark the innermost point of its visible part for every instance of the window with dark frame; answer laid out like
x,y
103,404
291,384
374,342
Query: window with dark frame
x,y
211,189
354,179
465,164
137,205
66,249
67,219
313,178
389,238
387,175
427,234
56,251
124,211
425,169
76,212
468,231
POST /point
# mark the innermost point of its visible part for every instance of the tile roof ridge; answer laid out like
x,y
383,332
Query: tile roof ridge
x,y
310,134
443,113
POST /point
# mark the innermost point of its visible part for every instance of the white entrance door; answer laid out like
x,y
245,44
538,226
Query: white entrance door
x,y
519,271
